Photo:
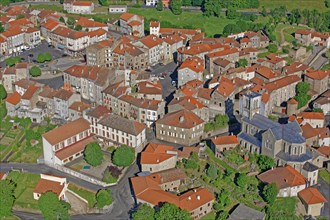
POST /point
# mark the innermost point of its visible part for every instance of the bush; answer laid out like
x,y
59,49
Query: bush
x,y
272,48
270,192
3,93
11,61
123,156
190,164
108,177
212,171
302,95
103,198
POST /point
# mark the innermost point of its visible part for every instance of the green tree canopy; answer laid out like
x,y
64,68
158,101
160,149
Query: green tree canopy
x,y
170,211
175,6
2,29
241,180
3,112
232,14
317,110
230,29
11,61
3,93
35,71
41,58
302,96
197,2
212,171
270,192
7,197
78,27
223,198
93,154
52,208
327,54
48,57
103,198
104,2
71,21
272,48
186,2
160,6
265,163
242,63
123,156
144,212
212,8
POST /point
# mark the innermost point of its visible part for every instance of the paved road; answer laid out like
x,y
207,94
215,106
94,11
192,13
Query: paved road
x,y
324,188
319,62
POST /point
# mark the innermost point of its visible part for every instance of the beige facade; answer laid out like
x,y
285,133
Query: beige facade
x,y
163,165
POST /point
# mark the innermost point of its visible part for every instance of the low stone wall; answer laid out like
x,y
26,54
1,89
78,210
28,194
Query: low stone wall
x,y
81,176
207,135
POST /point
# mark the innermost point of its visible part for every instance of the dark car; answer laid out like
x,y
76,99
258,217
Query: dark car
x,y
148,70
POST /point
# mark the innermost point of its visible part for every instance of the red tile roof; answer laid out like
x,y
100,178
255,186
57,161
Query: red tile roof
x,y
311,196
224,140
325,150
283,177
280,83
157,153
182,119
317,75
151,41
45,185
82,3
14,98
195,64
312,115
75,148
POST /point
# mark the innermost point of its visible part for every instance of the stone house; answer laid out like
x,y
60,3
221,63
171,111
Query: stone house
x,y
78,7
312,200
132,24
182,127
100,54
63,99
191,68
288,180
78,110
155,47
310,172
318,80
223,143
55,184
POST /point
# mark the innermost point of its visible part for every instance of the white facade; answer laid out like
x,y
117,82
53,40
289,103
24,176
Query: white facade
x,y
151,2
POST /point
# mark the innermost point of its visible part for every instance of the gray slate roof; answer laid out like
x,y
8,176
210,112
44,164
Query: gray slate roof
x,y
310,167
295,158
242,212
250,139
290,132
122,124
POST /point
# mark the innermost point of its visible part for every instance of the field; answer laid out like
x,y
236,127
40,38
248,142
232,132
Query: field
x,y
293,4
325,175
210,25
26,182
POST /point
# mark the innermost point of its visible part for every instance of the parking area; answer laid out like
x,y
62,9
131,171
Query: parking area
x,y
31,55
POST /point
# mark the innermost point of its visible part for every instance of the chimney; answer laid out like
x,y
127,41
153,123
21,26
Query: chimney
x,y
181,119
157,161
189,198
195,190
198,198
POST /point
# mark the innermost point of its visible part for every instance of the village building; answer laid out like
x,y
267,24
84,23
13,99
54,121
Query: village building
x,y
313,201
55,184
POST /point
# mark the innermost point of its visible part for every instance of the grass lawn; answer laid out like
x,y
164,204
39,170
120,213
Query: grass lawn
x,y
49,7
211,155
210,216
26,182
283,208
325,175
210,25
86,194
326,67
293,4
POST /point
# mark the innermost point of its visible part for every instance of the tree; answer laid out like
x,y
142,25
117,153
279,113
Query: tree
x,y
242,63
160,6
327,3
3,93
223,215
190,164
244,26
7,189
265,163
175,6
52,208
231,29
78,27
241,180
103,198
302,96
3,112
186,2
48,57
144,212
232,14
93,154
123,156
272,48
197,2
264,11
104,2
71,21
212,8
270,192
212,171
35,71
327,54
223,198
11,61
2,29
170,211
40,58
62,20
61,2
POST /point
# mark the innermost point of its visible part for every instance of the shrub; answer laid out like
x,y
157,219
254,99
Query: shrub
x,y
123,156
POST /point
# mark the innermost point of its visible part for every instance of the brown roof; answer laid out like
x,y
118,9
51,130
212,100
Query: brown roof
x,y
317,75
224,140
147,87
66,131
74,148
280,83
325,150
311,196
169,175
295,67
151,41
82,3
14,98
182,119
157,153
283,177
154,24
312,115
303,32
45,185
99,112
89,23
189,103
30,92
63,94
79,106
195,64
292,101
